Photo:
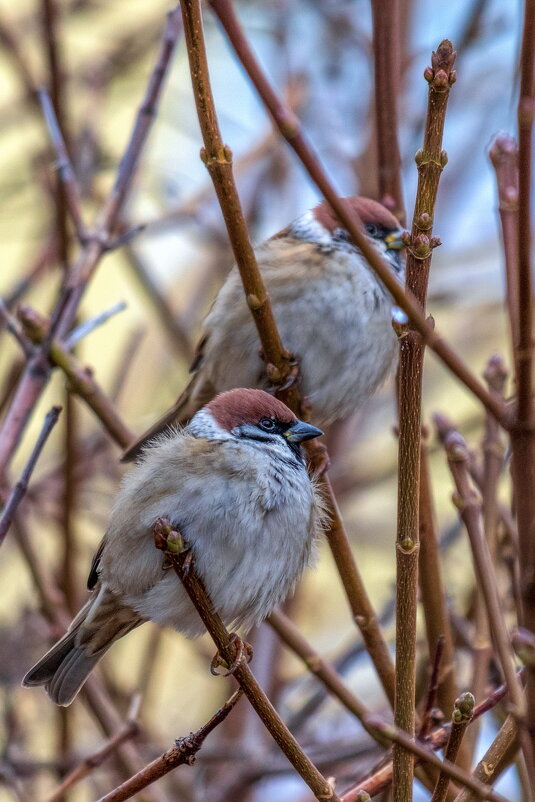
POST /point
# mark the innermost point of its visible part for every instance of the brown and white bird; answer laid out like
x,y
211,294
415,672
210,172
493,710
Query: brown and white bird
x,y
332,312
234,483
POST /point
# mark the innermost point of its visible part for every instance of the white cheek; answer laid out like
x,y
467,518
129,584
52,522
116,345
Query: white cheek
x,y
308,228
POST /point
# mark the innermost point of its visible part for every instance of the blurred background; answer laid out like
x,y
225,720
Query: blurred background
x,y
319,53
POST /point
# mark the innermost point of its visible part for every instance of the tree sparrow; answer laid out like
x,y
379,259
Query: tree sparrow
x,y
331,310
234,483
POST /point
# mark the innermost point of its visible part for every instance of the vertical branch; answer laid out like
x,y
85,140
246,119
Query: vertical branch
x,y
461,718
430,160
523,432
386,30
504,157
432,589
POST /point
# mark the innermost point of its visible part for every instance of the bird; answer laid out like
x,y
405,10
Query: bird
x,y
235,485
332,312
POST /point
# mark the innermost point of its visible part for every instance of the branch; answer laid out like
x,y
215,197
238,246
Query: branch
x,y
184,751
504,157
218,159
381,778
461,718
37,372
290,129
496,759
466,499
17,494
64,167
129,730
170,541
386,29
80,379
430,160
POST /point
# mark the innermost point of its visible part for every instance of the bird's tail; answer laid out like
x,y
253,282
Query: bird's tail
x,y
187,404
66,666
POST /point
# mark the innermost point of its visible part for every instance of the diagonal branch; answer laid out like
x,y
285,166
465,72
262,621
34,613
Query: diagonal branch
x,y
17,494
170,541
291,130
183,752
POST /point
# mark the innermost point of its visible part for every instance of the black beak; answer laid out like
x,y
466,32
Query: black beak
x,y
300,431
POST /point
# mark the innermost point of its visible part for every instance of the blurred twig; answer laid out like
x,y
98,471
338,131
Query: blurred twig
x,y
17,494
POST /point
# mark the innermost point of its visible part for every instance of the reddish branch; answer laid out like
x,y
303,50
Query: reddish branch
x,y
183,752
218,159
291,130
170,541
461,718
430,160
37,371
382,777
386,52
129,730
17,494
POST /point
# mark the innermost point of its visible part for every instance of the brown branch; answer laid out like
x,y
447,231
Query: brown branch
x,y
381,778
80,379
218,160
386,32
37,370
17,494
325,672
496,759
461,718
432,588
504,157
481,790
183,752
129,730
467,500
361,607
430,160
425,723
291,130
172,544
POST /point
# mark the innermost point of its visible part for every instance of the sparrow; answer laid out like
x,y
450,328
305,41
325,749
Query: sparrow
x,y
234,483
331,310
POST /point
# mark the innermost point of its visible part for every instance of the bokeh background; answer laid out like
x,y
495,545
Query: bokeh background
x,y
320,54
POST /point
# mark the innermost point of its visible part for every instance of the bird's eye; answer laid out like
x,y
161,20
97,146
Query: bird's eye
x,y
267,424
372,229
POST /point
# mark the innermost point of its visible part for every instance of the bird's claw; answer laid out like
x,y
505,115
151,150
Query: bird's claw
x,y
243,653
318,458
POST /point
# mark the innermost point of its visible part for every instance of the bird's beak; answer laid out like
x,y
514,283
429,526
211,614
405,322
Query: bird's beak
x,y
301,431
394,242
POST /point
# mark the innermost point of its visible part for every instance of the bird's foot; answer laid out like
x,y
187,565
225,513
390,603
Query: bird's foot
x,y
243,652
317,457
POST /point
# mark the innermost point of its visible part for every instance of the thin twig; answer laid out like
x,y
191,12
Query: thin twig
x,y
89,326
129,730
18,491
461,718
64,167
37,372
13,326
425,723
184,752
496,759
80,379
430,160
467,500
291,130
166,538
381,777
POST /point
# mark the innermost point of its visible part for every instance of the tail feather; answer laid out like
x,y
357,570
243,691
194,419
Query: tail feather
x,y
66,666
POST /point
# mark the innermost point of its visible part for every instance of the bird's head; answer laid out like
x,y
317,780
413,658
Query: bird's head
x,y
321,226
253,417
